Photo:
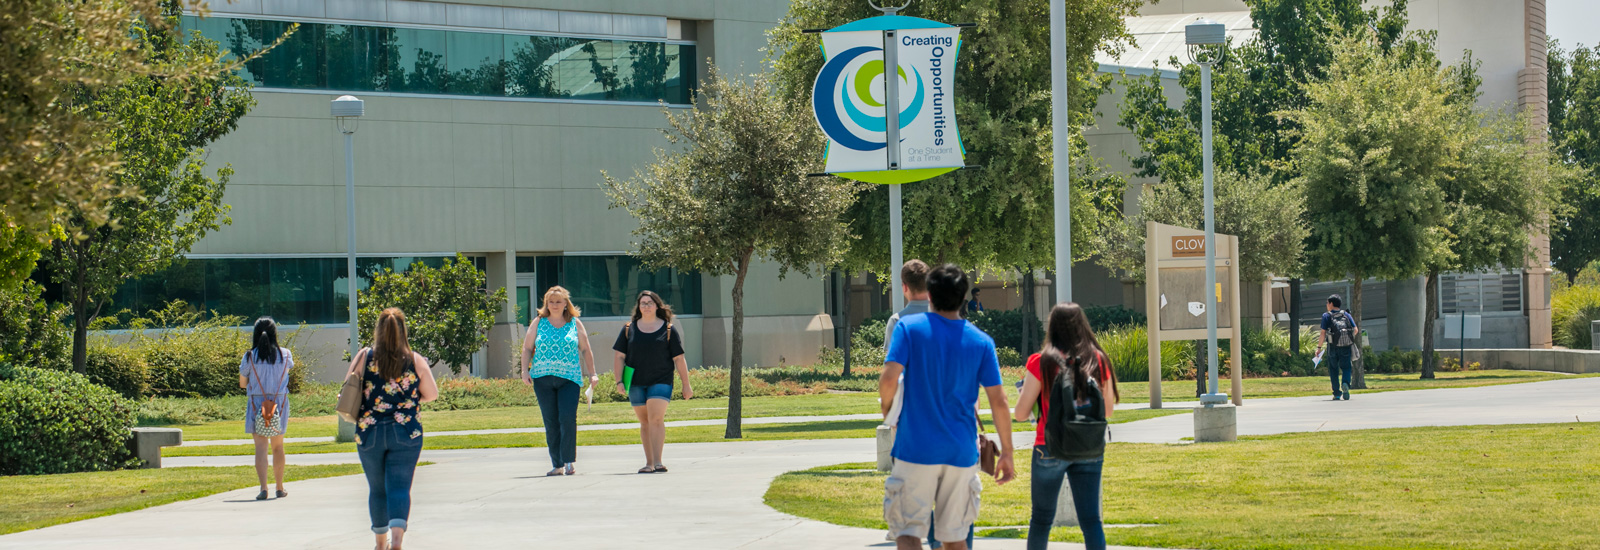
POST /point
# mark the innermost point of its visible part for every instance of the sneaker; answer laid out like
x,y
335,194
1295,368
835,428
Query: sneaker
x,y
1346,391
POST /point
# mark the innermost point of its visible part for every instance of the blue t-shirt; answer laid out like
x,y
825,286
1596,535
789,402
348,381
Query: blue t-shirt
x,y
946,362
1327,322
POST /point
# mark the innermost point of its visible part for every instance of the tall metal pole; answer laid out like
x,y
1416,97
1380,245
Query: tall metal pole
x,y
1211,242
350,219
891,145
1062,152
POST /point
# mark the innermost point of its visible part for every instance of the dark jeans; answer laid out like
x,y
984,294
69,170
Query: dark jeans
x,y
389,458
1339,360
558,402
936,545
1084,479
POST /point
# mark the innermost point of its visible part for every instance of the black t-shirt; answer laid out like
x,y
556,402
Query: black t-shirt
x,y
650,353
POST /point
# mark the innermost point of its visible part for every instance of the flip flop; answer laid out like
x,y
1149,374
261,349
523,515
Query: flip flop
x,y
647,470
661,469
553,473
282,494
262,496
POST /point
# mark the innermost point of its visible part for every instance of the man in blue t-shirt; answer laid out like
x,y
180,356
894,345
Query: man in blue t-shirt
x,y
1339,331
945,360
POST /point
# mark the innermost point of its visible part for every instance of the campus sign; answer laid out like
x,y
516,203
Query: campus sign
x,y
851,101
1176,297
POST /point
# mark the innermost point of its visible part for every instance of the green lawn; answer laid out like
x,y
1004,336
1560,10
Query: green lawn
x,y
1303,386
1528,486
32,502
842,429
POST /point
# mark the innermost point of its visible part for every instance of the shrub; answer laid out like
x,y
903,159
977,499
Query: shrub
x,y
54,422
1103,318
121,369
187,355
1572,310
1266,351
1010,357
1006,327
1128,349
32,332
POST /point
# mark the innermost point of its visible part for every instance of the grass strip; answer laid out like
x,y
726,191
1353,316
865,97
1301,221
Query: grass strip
x,y
32,502
1469,487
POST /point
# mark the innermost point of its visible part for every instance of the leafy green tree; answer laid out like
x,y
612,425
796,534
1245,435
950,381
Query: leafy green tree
x,y
1575,128
1266,218
158,127
1002,214
1504,181
1377,138
733,188
448,312
33,333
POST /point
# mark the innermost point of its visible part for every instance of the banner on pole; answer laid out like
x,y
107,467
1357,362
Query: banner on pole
x,y
849,99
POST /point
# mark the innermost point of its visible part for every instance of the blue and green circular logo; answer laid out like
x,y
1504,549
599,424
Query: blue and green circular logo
x,y
846,84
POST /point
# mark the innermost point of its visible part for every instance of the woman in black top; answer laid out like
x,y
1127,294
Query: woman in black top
x,y
653,349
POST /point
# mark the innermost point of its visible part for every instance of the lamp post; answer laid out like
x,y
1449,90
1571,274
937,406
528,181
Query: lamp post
x,y
1061,149
347,111
1207,41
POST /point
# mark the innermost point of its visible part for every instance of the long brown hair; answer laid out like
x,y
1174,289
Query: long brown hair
x,y
1069,341
663,311
390,347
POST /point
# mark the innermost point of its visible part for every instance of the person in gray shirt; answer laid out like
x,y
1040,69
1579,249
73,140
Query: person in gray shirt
x,y
914,286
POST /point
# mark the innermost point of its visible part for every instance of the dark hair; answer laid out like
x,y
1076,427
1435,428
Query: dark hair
x,y
390,345
914,275
975,291
1068,340
947,288
264,341
1334,299
663,311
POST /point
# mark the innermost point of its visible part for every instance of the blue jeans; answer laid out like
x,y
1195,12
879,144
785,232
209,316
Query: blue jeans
x,y
936,545
1339,360
638,395
1084,479
558,402
389,458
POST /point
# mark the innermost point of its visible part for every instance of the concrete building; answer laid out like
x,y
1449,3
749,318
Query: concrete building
x,y
488,124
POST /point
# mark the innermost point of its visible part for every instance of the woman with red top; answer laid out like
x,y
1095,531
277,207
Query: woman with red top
x,y
1069,344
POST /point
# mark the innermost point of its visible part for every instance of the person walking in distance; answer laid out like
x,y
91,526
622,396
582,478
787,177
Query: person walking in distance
x,y
652,349
1070,350
934,482
395,382
914,287
264,373
560,361
1339,330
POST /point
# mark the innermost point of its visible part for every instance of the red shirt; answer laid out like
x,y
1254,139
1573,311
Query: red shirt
x,y
1044,395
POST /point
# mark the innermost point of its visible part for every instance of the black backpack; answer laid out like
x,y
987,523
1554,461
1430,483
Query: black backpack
x,y
1343,333
1067,434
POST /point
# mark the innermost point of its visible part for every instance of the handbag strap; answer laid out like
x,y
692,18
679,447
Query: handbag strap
x,y
254,363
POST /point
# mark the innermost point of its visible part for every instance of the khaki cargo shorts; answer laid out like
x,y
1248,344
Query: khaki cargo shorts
x,y
916,494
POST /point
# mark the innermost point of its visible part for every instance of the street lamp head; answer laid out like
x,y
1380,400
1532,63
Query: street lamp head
x,y
347,110
1207,41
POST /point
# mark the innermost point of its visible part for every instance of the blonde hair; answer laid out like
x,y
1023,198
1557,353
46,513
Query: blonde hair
x,y
572,311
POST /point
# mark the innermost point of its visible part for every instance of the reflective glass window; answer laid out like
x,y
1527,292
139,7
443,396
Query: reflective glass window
x,y
605,286
533,64
420,62
477,63
359,57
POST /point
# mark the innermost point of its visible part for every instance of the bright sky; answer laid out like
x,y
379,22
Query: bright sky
x,y
1573,22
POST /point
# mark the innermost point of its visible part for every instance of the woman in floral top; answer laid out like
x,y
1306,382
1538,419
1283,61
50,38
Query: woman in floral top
x,y
395,382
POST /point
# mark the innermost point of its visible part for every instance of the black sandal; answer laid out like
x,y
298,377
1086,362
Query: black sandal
x,y
661,469
262,496
647,470
282,493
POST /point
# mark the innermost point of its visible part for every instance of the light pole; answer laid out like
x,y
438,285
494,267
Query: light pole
x,y
1061,149
347,110
1207,41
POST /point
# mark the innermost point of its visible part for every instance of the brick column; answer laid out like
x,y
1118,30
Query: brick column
x,y
1533,95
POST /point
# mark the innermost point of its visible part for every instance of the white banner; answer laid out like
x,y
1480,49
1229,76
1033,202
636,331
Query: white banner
x,y
848,100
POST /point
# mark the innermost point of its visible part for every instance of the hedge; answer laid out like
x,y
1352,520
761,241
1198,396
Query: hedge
x,y
54,422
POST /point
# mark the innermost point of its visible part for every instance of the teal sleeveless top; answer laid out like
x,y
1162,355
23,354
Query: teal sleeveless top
x,y
555,352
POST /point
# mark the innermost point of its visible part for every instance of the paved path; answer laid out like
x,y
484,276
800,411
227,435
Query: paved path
x,y
479,498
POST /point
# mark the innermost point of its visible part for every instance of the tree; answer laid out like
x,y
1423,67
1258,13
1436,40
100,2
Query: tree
x,y
1000,215
448,312
157,126
1266,218
1575,128
734,188
1505,181
33,332
1375,141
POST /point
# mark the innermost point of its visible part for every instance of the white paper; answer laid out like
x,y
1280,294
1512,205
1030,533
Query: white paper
x,y
1197,308
1316,360
1163,300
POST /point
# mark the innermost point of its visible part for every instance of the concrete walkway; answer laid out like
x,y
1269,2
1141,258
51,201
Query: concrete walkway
x,y
712,499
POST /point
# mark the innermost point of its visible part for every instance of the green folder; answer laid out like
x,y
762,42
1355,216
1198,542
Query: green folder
x,y
627,377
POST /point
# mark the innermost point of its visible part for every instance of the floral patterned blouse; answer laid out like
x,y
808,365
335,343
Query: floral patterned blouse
x,y
389,401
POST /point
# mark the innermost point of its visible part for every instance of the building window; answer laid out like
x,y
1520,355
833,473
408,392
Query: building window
x,y
605,286
363,58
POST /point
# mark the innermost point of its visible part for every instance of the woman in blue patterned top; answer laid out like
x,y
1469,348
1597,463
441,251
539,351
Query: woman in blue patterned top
x,y
561,360
264,373
395,383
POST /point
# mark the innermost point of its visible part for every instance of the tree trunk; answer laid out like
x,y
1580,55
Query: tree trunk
x,y
1358,378
80,335
849,285
1200,372
736,358
1028,310
1431,312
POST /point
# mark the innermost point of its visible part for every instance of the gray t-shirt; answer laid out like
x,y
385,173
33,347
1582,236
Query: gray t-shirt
x,y
912,308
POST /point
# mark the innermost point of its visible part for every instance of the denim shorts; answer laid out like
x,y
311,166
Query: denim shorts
x,y
637,395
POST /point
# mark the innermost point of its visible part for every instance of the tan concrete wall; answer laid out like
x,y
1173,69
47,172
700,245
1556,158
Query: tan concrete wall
x,y
1553,360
